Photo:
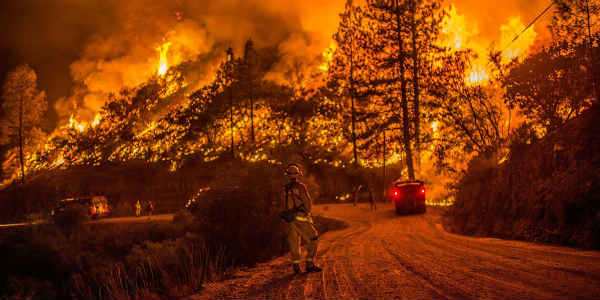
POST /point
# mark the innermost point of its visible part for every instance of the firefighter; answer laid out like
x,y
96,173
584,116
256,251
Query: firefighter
x,y
301,228
371,199
138,208
355,193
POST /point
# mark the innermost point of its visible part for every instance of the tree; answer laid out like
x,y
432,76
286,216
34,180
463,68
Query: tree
x,y
250,76
572,28
23,108
550,86
425,22
347,38
389,50
471,118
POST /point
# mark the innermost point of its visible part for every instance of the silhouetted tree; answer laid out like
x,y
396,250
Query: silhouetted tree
x,y
23,107
550,86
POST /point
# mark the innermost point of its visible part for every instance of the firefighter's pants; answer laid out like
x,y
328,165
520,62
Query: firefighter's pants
x,y
306,231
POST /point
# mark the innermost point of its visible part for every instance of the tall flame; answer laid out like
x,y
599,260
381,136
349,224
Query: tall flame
x,y
457,34
97,120
162,63
76,125
477,75
328,56
519,47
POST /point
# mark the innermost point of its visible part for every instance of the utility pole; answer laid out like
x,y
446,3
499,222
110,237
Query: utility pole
x,y
230,67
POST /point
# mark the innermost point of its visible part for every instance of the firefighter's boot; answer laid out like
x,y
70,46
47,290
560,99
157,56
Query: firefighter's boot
x,y
296,268
311,268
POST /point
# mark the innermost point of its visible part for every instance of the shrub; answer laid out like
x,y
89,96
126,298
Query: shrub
x,y
72,217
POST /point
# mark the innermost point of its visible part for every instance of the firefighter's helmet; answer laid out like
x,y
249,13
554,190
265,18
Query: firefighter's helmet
x,y
293,171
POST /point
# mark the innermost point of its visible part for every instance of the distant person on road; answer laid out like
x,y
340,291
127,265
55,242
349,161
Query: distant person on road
x,y
150,208
138,209
355,193
371,199
301,227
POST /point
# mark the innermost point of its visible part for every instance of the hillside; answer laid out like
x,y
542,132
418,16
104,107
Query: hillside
x,y
546,191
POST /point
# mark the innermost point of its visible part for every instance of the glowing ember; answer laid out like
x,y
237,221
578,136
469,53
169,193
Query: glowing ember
x,y
162,63
434,126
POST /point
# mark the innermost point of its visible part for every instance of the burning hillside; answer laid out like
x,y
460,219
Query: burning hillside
x,y
173,89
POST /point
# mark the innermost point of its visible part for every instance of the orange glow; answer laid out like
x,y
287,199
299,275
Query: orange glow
x,y
97,120
162,63
458,33
477,75
455,31
76,124
520,47
328,55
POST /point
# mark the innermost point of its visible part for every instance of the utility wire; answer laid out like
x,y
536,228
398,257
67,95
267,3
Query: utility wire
x,y
530,24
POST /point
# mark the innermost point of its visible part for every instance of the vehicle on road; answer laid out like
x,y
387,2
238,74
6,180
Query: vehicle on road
x,y
97,206
408,196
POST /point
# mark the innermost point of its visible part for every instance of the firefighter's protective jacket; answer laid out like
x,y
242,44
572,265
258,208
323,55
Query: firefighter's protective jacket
x,y
298,194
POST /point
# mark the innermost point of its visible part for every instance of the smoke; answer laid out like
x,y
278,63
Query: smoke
x,y
84,50
127,56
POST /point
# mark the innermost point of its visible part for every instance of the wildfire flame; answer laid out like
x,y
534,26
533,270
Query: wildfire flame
x,y
458,34
328,55
97,120
76,125
162,63
520,47
477,75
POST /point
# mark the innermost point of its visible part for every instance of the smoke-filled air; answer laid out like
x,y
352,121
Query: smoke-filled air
x,y
476,116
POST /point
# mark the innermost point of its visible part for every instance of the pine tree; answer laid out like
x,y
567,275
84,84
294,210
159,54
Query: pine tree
x,y
24,106
344,65
250,77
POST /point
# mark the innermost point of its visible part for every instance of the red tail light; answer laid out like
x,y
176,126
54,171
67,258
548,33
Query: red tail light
x,y
395,193
422,191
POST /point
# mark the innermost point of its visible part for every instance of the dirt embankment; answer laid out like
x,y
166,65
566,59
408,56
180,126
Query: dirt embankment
x,y
546,191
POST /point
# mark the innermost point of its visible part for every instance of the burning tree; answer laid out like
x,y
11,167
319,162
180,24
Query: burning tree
x,y
23,108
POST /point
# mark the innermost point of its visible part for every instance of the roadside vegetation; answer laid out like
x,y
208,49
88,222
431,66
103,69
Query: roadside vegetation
x,y
236,225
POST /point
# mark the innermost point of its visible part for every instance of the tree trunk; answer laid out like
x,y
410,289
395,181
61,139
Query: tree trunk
x,y
384,163
251,114
21,141
352,103
404,100
231,121
416,88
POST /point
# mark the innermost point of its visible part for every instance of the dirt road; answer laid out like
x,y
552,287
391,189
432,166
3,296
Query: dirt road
x,y
140,219
381,255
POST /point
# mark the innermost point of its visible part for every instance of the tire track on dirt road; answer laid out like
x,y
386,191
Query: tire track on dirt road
x,y
384,256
